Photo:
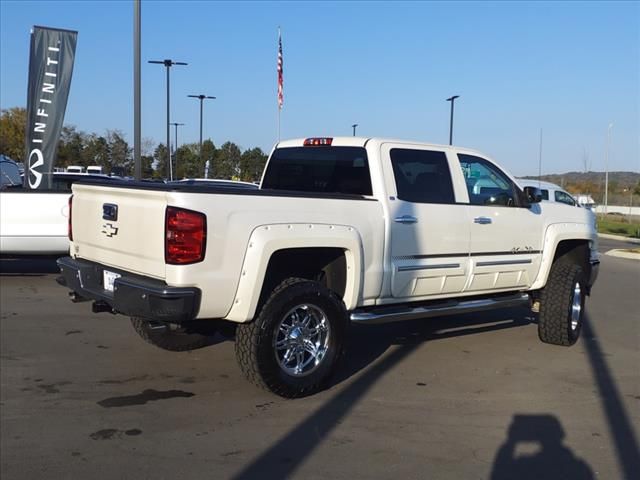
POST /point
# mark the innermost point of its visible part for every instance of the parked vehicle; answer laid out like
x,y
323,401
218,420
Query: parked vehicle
x,y
9,173
95,169
586,201
550,191
214,182
344,229
34,222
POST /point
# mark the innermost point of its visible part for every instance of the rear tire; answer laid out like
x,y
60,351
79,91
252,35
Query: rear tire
x,y
562,305
296,341
170,336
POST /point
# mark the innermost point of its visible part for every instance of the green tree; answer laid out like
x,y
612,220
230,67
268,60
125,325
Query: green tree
x,y
13,123
227,161
70,147
208,154
187,162
160,158
96,152
252,164
120,151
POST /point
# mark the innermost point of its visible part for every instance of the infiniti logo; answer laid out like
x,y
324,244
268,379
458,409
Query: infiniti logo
x,y
109,230
33,173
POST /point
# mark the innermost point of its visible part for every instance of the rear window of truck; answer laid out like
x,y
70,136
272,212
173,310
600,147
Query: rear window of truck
x,y
321,169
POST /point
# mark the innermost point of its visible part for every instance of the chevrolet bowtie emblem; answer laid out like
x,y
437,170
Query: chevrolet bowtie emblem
x,y
109,230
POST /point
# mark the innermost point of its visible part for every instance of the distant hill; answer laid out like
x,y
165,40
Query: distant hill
x,y
624,179
593,184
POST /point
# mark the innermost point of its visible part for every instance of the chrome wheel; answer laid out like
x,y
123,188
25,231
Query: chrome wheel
x,y
301,340
576,306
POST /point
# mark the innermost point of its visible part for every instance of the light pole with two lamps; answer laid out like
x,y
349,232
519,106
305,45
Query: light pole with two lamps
x,y
168,63
201,98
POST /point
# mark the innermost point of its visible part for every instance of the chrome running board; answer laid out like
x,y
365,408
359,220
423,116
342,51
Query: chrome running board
x,y
394,313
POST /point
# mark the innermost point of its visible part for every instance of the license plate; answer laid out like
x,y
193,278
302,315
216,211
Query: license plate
x,y
108,279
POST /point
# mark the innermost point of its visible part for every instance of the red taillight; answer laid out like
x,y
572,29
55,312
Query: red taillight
x,y
185,236
69,223
318,142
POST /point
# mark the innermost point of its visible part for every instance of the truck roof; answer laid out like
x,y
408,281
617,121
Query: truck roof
x,y
363,141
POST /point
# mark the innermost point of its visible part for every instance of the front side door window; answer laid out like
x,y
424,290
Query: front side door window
x,y
564,197
486,184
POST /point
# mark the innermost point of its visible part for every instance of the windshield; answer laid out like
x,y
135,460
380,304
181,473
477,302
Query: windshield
x,y
9,173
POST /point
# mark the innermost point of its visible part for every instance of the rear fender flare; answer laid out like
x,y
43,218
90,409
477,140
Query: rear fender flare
x,y
265,240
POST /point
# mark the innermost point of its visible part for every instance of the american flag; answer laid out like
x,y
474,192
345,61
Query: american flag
x,y
280,78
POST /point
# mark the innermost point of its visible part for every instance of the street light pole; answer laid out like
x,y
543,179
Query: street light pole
x,y
606,170
168,63
354,128
175,145
137,129
452,100
201,98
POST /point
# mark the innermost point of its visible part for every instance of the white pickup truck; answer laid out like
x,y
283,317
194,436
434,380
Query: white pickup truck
x,y
365,230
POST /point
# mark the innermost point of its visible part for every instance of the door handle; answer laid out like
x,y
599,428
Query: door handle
x,y
482,220
406,219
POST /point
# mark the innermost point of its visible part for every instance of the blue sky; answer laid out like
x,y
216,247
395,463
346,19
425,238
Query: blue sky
x,y
568,68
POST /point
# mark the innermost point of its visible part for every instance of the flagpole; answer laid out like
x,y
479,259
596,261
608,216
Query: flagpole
x,y
280,80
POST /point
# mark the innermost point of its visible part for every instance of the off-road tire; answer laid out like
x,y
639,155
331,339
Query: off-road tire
x,y
255,341
557,304
173,338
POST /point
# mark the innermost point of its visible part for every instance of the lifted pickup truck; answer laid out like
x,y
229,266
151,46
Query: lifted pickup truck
x,y
364,230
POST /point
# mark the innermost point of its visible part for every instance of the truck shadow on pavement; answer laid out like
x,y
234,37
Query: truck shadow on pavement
x,y
550,458
374,340
287,454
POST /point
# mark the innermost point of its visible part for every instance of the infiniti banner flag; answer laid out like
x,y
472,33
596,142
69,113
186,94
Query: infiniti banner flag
x,y
50,70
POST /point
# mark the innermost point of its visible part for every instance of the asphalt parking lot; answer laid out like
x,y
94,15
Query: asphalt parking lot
x,y
468,397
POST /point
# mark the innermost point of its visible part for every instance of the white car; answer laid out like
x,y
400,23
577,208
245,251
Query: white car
x,y
35,222
550,191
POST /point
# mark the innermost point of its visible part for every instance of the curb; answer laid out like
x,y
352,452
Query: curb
x,y
623,254
619,237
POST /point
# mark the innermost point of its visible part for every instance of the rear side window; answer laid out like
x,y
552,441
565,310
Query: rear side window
x,y
319,169
422,176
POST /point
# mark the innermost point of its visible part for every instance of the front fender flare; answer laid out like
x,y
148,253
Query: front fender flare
x,y
555,234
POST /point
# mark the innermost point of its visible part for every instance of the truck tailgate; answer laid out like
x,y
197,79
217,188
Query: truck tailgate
x,y
120,227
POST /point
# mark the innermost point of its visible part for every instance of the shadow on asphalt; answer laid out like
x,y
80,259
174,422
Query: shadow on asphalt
x,y
622,432
32,266
551,459
287,454
534,450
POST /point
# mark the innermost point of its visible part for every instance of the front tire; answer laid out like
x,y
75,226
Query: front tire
x,y
562,305
294,344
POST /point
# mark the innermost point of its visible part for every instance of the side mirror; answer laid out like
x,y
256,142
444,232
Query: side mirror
x,y
533,194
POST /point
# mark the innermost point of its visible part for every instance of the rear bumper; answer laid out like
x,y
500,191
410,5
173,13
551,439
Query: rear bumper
x,y
132,295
